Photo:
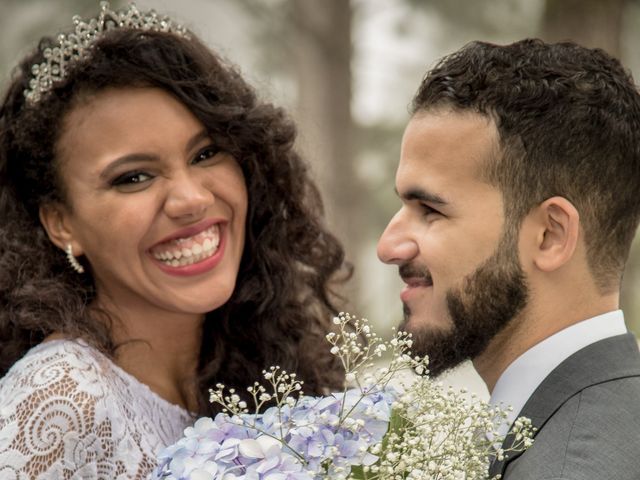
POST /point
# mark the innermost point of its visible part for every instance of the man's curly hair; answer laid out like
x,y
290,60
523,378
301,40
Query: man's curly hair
x,y
283,302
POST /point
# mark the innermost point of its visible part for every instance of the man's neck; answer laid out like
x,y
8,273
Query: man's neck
x,y
531,327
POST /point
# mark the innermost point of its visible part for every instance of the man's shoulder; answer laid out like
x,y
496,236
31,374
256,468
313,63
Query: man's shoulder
x,y
588,415
594,374
598,416
594,434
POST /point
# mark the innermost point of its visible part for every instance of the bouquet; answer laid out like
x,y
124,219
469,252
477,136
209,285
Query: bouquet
x,y
393,423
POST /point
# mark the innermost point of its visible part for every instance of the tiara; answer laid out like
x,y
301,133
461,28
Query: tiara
x,y
77,44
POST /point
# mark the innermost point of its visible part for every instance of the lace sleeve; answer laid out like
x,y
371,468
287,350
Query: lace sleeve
x,y
57,421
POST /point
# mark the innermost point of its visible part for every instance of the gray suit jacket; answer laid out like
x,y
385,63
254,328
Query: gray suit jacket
x,y
587,412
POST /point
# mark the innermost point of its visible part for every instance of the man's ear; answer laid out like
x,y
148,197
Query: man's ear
x,y
558,227
55,220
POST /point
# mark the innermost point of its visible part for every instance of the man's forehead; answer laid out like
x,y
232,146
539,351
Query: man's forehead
x,y
448,143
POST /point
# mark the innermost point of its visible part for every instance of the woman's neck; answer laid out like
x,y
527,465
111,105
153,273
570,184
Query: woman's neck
x,y
160,348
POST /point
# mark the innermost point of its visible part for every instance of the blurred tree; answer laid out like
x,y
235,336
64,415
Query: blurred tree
x,y
490,20
322,53
592,23
310,42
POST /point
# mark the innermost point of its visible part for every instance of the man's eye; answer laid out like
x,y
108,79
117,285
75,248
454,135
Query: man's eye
x,y
131,180
206,154
427,210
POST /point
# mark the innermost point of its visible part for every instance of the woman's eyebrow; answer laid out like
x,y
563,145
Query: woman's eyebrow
x,y
148,157
196,139
129,158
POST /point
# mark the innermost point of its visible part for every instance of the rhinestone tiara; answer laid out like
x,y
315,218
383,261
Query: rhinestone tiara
x,y
77,44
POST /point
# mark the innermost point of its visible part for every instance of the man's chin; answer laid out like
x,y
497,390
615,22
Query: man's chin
x,y
423,327
436,343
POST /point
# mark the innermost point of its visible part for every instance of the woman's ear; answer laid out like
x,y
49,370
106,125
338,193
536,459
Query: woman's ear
x,y
55,220
558,226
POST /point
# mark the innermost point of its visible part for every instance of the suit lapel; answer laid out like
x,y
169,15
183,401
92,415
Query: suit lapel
x,y
603,361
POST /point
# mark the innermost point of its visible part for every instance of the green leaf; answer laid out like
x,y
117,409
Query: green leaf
x,y
397,424
357,473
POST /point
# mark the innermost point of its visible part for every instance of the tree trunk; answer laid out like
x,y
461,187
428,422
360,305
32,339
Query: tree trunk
x,y
592,23
322,56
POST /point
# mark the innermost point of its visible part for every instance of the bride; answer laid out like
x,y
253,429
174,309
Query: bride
x,y
159,234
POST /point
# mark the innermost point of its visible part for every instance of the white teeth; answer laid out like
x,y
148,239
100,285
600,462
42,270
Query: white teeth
x,y
182,255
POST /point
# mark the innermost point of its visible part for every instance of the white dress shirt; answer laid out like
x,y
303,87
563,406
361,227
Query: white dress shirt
x,y
521,378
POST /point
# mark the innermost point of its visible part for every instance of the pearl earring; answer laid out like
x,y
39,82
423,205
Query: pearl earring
x,y
73,261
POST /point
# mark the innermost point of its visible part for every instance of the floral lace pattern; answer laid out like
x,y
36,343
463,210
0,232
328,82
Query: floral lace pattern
x,y
68,412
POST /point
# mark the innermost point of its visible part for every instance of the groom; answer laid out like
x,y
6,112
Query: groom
x,y
519,178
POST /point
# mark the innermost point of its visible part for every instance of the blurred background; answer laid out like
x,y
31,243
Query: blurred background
x,y
346,70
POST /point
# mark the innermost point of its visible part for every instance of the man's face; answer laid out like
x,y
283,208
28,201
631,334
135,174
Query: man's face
x,y
460,264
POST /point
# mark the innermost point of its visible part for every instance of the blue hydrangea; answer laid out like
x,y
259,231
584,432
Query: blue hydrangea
x,y
302,442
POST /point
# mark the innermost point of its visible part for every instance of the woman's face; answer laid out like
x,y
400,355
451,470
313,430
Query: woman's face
x,y
155,208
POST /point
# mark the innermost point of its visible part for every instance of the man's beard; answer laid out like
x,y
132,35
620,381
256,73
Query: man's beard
x,y
489,299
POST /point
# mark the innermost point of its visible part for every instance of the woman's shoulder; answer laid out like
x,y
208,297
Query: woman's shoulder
x,y
58,382
74,371
49,401
56,367
66,409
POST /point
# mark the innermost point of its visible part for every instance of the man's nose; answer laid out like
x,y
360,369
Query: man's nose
x,y
397,245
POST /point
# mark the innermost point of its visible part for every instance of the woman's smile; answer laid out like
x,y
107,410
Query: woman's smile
x,y
186,247
191,254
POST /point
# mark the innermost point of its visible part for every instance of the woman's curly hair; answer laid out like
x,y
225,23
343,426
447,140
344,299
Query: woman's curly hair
x,y
283,302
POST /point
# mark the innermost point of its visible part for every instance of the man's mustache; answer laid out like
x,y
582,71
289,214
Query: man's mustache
x,y
410,271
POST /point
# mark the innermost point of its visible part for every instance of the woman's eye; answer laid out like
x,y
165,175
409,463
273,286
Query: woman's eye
x,y
131,180
206,154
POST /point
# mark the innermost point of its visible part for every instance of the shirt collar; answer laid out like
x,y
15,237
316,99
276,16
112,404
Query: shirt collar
x,y
521,378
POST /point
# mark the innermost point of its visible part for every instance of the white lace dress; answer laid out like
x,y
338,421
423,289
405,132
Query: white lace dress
x,y
68,412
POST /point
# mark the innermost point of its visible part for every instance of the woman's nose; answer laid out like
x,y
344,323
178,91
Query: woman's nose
x,y
188,196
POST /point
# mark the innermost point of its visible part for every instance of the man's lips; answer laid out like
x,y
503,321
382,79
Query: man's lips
x,y
413,288
416,281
